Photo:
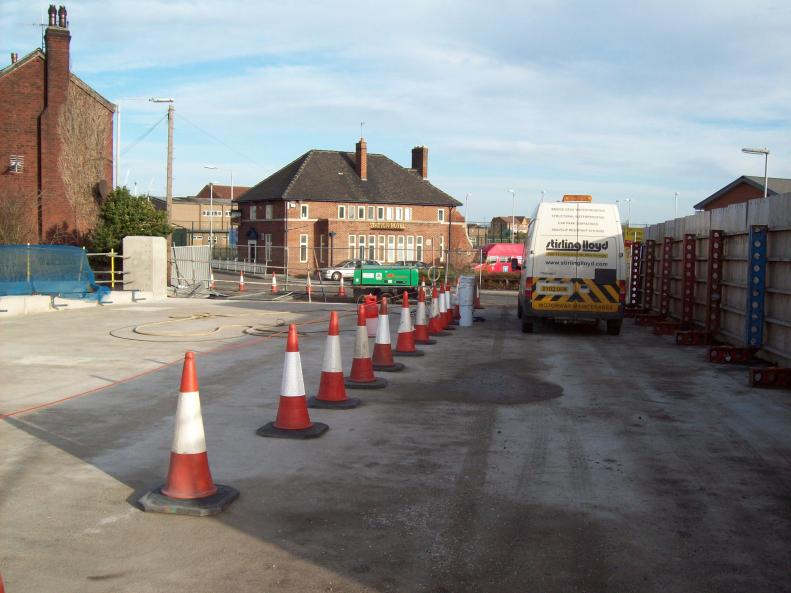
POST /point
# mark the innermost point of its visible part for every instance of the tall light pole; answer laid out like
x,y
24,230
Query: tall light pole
x,y
675,212
513,213
169,182
466,206
764,151
628,211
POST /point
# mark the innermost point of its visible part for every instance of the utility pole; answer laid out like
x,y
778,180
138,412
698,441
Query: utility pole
x,y
169,183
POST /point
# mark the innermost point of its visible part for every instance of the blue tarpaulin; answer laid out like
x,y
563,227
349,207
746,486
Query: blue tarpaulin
x,y
56,270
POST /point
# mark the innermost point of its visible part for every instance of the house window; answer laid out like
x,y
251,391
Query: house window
x,y
419,248
389,214
251,247
442,248
303,248
410,248
407,213
441,215
381,248
252,211
391,248
380,213
341,212
351,212
16,163
268,212
400,253
370,213
371,247
352,245
303,211
267,248
361,247
361,212
399,213
321,248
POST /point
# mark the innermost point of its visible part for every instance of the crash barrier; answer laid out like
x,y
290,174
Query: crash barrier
x,y
720,278
54,270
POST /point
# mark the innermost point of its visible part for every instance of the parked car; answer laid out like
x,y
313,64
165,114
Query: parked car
x,y
411,263
345,269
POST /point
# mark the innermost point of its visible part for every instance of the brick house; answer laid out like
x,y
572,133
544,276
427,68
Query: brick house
x,y
56,142
500,227
327,206
743,189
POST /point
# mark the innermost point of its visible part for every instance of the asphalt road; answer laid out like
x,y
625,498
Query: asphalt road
x,y
564,461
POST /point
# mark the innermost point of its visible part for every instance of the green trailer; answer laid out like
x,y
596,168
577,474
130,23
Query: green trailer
x,y
392,280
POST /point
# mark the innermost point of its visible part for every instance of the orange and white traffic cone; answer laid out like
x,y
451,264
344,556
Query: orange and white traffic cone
x,y
189,489
405,343
383,350
274,283
421,323
293,420
434,323
449,313
2,587
362,375
241,281
332,391
442,319
341,289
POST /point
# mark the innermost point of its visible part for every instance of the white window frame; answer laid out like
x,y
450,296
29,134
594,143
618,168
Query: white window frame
x,y
391,248
341,212
351,213
304,211
410,248
419,248
371,213
352,246
442,248
252,212
322,245
360,212
303,245
389,215
252,245
380,213
400,248
407,213
267,247
399,213
371,247
360,247
382,248
268,212
440,214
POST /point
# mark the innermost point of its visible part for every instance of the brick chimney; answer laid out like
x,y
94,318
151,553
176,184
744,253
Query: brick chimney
x,y
420,160
361,163
14,57
57,39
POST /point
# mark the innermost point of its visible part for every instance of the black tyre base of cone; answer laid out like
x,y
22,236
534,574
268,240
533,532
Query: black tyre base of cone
x,y
449,328
377,383
440,333
428,342
412,353
312,432
390,368
322,404
156,502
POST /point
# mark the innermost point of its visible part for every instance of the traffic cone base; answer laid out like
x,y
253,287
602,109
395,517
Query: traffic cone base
x,y
390,368
314,430
425,342
322,404
156,502
377,383
415,352
362,376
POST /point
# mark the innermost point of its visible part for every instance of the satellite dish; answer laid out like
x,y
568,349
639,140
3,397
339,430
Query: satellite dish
x,y
103,188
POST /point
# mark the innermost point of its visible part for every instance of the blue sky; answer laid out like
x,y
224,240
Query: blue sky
x,y
617,99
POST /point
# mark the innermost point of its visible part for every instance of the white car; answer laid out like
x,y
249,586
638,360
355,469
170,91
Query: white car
x,y
345,269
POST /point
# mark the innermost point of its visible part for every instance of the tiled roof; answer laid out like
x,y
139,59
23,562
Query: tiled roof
x,y
775,185
330,176
222,191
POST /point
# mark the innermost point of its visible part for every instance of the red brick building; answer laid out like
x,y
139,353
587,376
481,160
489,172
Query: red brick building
x,y
743,189
327,206
56,142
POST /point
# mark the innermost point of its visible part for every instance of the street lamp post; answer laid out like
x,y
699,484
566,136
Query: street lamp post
x,y
628,211
675,198
513,213
764,151
169,180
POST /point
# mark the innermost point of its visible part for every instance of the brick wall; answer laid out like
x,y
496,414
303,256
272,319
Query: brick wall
x,y
741,193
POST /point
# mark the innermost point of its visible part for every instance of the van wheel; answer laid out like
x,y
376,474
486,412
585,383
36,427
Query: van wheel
x,y
527,324
614,327
519,309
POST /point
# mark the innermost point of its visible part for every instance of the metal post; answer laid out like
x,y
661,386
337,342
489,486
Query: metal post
x,y
211,219
766,173
756,286
28,263
650,270
688,282
634,279
667,268
714,282
112,268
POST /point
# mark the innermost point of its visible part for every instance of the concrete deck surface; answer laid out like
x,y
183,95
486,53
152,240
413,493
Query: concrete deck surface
x,y
567,460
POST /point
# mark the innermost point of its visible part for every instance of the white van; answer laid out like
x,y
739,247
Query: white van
x,y
574,269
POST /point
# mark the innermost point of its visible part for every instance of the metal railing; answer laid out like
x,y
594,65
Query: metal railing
x,y
115,276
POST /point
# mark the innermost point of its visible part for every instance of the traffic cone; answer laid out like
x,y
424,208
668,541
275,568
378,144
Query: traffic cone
x,y
274,283
405,344
341,289
189,489
2,587
449,311
421,323
293,420
383,351
241,281
442,319
434,324
332,392
362,375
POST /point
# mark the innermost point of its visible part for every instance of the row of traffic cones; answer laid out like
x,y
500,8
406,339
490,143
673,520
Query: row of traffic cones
x,y
189,487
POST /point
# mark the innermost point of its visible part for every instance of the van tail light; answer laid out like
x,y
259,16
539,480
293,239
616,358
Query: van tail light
x,y
529,288
622,291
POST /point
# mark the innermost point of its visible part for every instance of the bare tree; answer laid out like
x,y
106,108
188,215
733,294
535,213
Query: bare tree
x,y
17,219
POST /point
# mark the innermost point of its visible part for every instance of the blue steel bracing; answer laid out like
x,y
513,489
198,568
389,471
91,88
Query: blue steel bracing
x,y
756,286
